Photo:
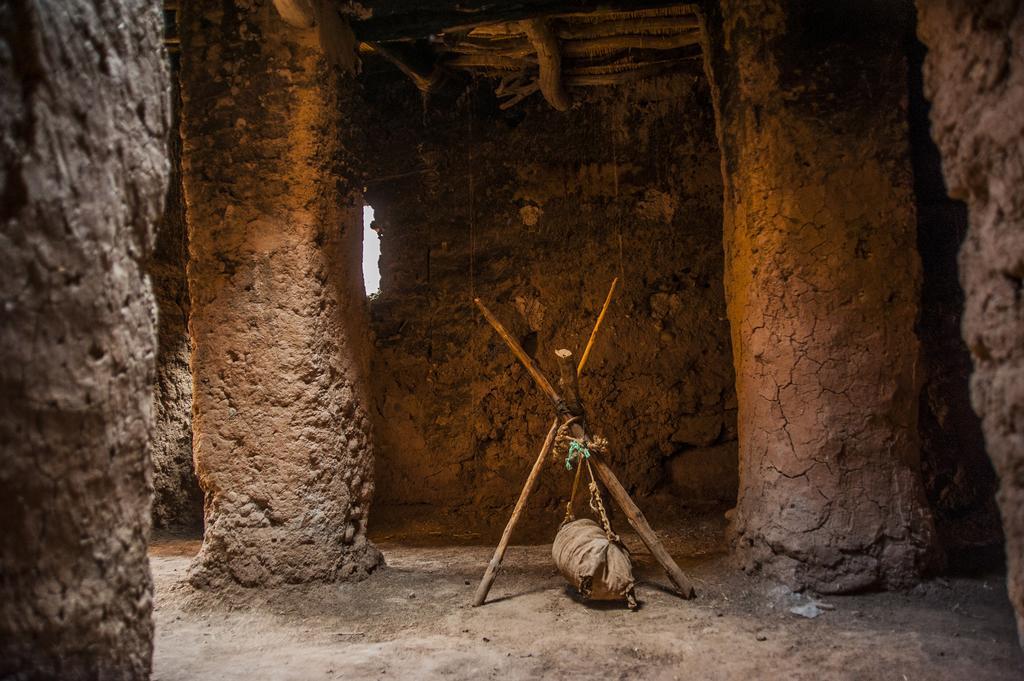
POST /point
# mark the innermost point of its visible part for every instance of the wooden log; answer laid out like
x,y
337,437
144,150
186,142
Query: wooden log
x,y
549,58
494,61
617,43
499,553
517,95
639,523
499,31
520,354
516,49
599,29
599,77
472,44
568,382
398,19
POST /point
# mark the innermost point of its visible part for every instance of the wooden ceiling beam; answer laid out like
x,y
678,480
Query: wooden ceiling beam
x,y
403,19
549,59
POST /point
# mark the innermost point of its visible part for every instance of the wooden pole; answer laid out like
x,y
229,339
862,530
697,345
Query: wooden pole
x,y
600,318
568,382
491,573
520,354
499,553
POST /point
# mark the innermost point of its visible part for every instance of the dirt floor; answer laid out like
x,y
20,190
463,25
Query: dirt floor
x,y
412,620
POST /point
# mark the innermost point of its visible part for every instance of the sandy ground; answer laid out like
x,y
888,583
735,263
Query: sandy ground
x,y
412,620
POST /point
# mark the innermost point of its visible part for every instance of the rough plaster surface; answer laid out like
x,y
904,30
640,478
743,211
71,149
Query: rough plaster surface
x,y
974,76
83,167
958,476
535,212
177,499
821,281
282,437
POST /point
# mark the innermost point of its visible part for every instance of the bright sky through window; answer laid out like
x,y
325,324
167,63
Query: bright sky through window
x,y
371,253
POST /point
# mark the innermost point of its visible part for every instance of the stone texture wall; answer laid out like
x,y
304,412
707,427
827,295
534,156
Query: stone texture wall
x,y
177,499
974,76
282,438
83,168
822,281
535,211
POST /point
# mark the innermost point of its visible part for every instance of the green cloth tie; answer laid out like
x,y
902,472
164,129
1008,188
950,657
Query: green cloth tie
x,y
577,450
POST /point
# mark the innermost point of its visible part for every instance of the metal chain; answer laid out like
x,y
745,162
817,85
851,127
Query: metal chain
x,y
598,506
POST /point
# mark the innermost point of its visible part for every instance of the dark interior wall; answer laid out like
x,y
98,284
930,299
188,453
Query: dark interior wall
x,y
974,78
177,499
958,475
535,212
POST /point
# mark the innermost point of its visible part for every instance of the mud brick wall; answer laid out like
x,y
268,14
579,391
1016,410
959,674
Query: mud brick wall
x,y
535,212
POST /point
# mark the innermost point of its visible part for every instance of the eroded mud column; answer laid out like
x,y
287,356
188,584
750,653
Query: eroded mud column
x,y
280,346
974,76
821,282
83,169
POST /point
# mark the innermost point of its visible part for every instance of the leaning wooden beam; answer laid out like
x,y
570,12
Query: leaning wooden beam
x,y
639,523
520,354
517,95
597,325
499,553
550,60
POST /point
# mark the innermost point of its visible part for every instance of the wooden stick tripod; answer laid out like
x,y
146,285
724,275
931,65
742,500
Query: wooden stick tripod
x,y
570,408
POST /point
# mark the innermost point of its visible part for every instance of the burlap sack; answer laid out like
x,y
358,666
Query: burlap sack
x,y
598,568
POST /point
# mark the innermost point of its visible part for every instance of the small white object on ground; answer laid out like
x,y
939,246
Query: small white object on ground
x,y
808,610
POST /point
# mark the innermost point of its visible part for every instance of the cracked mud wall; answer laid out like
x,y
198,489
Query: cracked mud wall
x,y
177,499
822,278
974,77
535,211
280,344
83,171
